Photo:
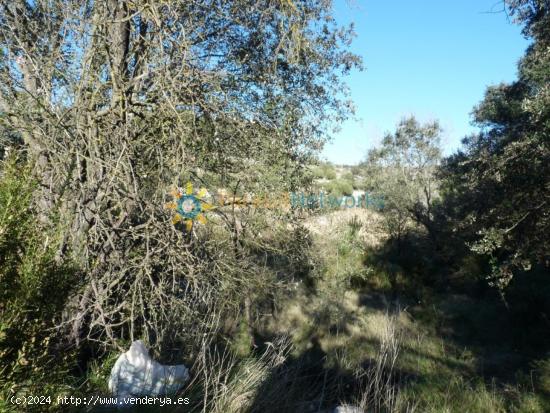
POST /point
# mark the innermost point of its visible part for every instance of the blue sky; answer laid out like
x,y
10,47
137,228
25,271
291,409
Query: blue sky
x,y
431,58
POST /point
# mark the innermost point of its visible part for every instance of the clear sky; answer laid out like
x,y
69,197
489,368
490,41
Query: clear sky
x,y
431,58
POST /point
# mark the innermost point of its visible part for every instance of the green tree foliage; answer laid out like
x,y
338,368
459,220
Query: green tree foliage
x,y
497,188
402,171
34,288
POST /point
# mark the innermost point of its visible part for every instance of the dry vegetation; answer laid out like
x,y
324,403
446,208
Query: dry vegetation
x,y
438,303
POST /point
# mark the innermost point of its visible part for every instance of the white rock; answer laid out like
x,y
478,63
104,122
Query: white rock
x,y
135,373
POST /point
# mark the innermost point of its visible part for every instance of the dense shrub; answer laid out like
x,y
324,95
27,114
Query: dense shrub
x,y
339,187
34,288
324,171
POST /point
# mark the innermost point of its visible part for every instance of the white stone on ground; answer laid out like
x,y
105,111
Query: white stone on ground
x,y
135,373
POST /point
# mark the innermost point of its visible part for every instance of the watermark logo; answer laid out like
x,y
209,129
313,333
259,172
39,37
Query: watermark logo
x,y
323,200
189,206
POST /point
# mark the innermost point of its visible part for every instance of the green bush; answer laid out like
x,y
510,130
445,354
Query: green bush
x,y
329,172
34,289
348,177
339,188
317,172
324,171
